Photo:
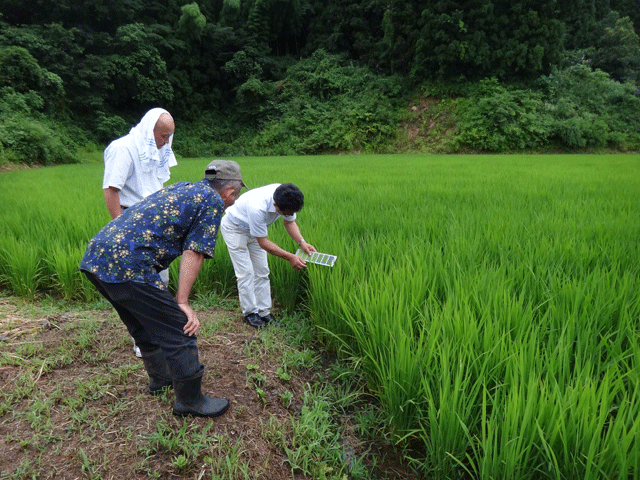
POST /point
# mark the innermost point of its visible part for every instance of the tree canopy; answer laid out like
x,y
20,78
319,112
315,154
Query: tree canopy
x,y
108,62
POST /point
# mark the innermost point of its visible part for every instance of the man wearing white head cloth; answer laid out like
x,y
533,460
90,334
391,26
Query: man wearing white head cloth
x,y
137,165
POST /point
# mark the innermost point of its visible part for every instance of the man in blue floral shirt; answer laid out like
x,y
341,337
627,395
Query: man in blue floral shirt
x,y
124,259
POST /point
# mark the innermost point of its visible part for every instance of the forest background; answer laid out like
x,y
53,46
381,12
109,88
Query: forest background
x,y
284,77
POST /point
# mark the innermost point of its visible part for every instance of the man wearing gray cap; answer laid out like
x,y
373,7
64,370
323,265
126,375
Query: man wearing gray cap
x,y
123,261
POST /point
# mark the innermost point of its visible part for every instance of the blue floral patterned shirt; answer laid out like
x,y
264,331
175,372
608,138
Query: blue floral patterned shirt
x,y
148,236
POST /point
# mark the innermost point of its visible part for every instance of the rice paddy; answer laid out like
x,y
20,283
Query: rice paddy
x,y
492,302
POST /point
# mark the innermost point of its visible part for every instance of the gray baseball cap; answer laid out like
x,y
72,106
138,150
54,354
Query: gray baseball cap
x,y
223,170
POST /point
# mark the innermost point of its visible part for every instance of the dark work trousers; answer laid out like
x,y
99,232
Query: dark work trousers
x,y
154,320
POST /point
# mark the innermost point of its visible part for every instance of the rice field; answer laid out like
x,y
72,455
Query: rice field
x,y
491,302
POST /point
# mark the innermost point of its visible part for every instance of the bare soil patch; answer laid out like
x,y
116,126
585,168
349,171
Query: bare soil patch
x,y
108,429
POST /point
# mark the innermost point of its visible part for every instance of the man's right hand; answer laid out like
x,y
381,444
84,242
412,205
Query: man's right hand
x,y
193,324
297,263
112,199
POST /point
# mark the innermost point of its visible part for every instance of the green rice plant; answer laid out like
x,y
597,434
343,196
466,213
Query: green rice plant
x,y
22,266
287,285
491,302
507,280
60,215
64,261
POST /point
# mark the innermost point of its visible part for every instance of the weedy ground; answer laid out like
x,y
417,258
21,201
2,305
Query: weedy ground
x,y
74,403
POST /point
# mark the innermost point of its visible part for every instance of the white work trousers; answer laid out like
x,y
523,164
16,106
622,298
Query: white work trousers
x,y
251,267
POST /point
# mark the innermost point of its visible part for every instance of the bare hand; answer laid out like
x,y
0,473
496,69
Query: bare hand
x,y
297,263
308,248
193,324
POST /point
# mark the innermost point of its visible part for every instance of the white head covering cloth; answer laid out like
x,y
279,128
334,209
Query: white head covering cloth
x,y
148,151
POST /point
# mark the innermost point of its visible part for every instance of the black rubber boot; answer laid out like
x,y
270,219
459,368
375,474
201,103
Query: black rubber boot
x,y
159,377
191,401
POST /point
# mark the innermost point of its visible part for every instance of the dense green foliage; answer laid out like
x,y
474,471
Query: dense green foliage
x,y
240,76
27,94
325,104
574,107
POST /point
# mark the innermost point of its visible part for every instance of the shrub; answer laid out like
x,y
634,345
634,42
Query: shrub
x,y
326,104
210,135
19,70
496,119
589,108
574,107
21,74
31,141
110,128
12,102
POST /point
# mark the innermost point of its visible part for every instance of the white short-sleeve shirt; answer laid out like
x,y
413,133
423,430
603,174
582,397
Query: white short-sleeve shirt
x,y
124,171
254,211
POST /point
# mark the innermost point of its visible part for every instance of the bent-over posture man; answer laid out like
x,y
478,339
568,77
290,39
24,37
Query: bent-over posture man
x,y
123,261
244,229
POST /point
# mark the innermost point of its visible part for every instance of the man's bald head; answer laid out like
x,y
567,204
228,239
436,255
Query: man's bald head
x,y
163,130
